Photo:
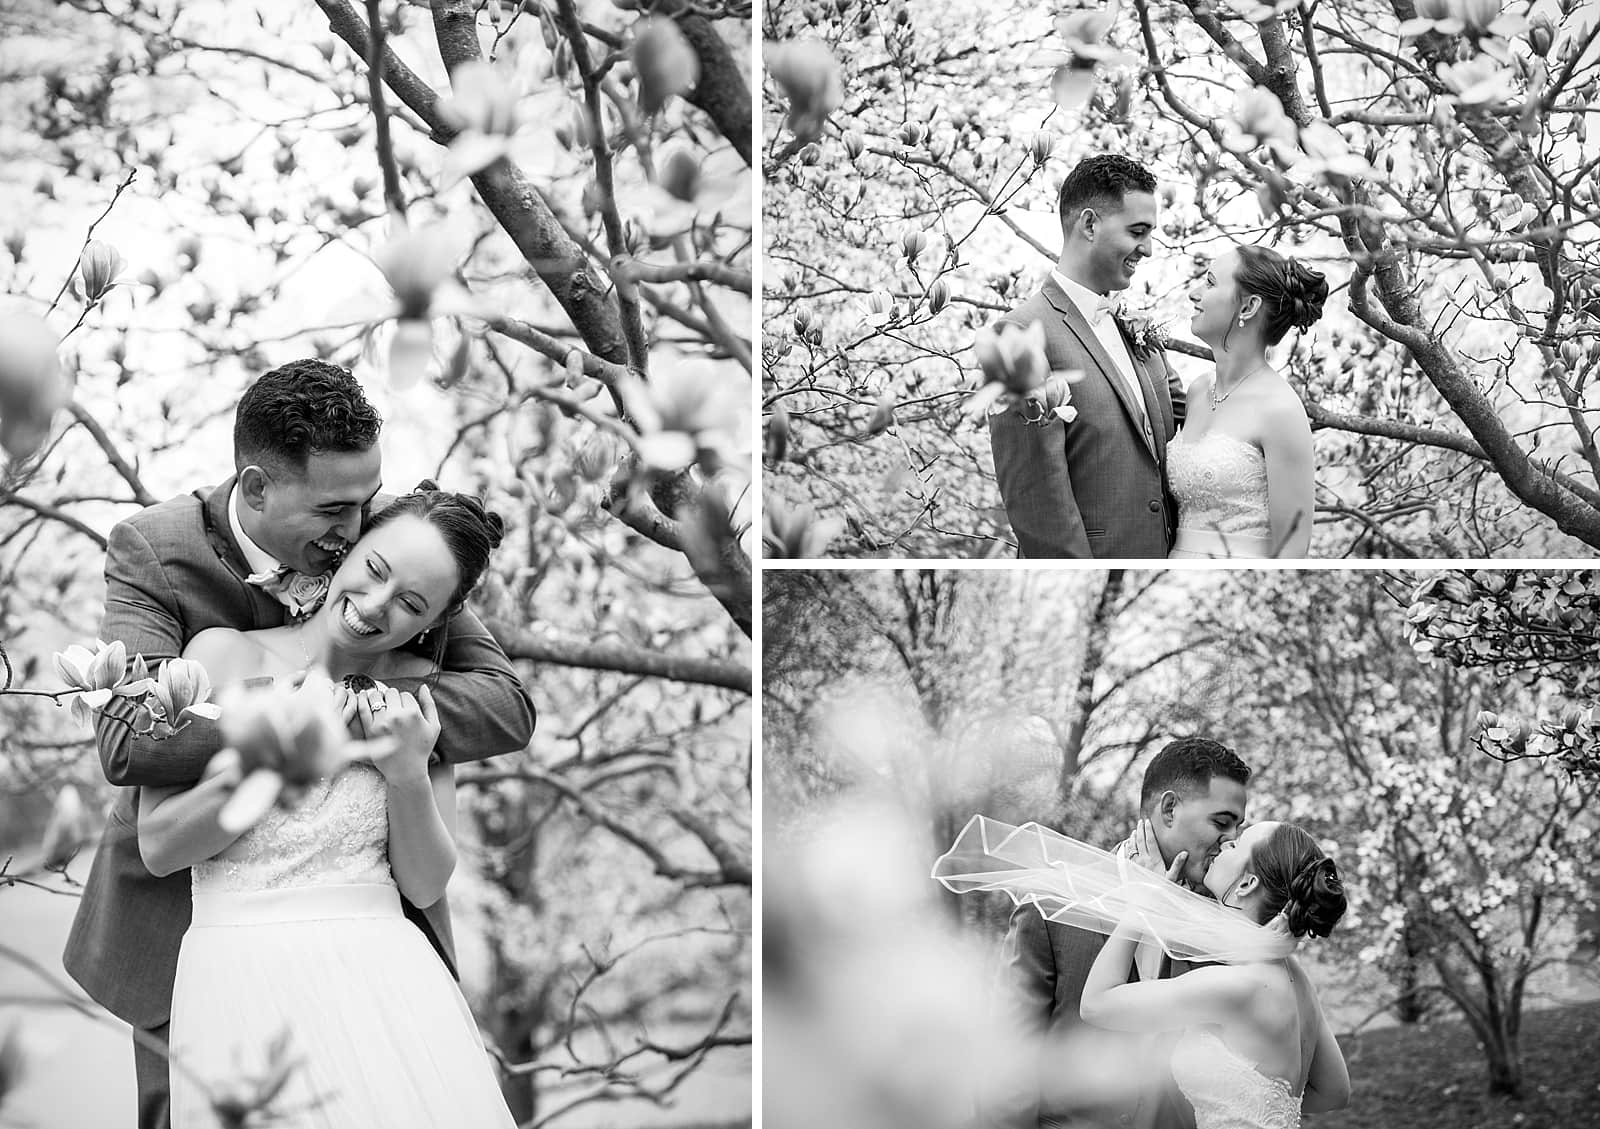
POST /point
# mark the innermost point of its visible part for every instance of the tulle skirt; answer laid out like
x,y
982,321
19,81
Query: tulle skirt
x,y
377,1032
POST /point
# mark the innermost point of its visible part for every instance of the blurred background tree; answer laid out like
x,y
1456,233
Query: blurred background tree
x,y
531,241
1470,875
1431,160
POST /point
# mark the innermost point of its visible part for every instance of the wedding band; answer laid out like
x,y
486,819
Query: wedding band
x,y
376,706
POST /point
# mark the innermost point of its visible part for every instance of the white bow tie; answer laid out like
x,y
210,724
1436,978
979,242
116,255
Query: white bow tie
x,y
1103,305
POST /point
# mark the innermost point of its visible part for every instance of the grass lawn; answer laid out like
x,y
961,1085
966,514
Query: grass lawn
x,y
1431,1076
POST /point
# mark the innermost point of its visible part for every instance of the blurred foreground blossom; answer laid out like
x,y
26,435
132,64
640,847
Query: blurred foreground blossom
x,y
101,674
419,267
98,267
1258,119
246,1099
284,741
33,385
1082,52
1455,17
1015,367
483,109
665,62
811,80
877,1014
68,830
13,1057
685,413
1479,81
796,533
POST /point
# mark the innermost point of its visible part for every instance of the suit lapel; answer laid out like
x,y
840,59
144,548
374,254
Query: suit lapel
x,y
264,610
1079,325
1158,409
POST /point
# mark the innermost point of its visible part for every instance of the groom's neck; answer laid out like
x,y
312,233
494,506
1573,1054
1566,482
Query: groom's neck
x,y
1076,268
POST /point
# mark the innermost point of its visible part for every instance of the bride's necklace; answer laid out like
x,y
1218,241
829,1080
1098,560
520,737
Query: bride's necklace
x,y
1218,400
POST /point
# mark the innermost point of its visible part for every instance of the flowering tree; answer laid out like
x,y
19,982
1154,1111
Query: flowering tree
x,y
526,227
1466,874
1538,631
1429,158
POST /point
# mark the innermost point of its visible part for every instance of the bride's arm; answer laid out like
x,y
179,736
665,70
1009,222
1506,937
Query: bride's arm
x,y
422,800
1328,1081
178,826
1291,477
1205,995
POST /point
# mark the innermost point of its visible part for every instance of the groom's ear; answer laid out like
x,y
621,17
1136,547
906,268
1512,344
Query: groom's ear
x,y
253,487
1088,220
1167,808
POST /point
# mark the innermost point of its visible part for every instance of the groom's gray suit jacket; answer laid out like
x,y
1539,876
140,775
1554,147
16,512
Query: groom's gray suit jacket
x,y
172,571
1043,970
1095,487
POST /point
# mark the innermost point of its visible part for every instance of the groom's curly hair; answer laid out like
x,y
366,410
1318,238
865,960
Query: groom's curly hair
x,y
1100,182
1187,766
299,409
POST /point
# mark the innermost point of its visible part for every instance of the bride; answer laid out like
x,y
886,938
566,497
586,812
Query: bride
x,y
1254,1049
298,930
1242,469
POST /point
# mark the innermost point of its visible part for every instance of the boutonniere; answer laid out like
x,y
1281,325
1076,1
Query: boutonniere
x,y
1146,336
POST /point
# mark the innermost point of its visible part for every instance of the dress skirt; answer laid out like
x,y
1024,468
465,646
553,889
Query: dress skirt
x,y
377,1030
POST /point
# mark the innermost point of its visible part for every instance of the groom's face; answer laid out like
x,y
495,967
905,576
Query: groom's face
x,y
1123,238
1199,823
308,519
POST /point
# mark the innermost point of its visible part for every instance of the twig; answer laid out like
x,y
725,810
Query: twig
x,y
391,174
115,196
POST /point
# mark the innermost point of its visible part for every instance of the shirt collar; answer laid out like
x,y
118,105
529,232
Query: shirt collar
x,y
1085,299
256,558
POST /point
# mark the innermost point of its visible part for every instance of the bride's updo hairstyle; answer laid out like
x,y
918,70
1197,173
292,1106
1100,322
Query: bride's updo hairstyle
x,y
1291,293
1298,878
470,531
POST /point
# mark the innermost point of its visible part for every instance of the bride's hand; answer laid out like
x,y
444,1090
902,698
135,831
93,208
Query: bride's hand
x,y
1144,850
345,702
402,730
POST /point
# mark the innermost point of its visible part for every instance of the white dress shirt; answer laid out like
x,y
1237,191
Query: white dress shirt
x,y
256,558
1110,337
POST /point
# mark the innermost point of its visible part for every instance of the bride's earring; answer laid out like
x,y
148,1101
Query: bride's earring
x,y
1241,321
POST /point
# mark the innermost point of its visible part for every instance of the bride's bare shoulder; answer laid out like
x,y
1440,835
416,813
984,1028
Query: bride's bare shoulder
x,y
227,654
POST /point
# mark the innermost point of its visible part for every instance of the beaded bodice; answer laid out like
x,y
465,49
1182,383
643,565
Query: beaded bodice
x,y
337,833
1227,1091
1221,484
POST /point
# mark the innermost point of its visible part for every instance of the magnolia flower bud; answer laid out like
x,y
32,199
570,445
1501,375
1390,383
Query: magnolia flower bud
x,y
664,61
911,133
99,266
854,146
1541,35
1571,353
33,386
1044,143
913,243
803,319
938,295
1487,719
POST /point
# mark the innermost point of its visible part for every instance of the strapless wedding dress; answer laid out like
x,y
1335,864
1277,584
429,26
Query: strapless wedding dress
x,y
299,934
1228,1091
1220,483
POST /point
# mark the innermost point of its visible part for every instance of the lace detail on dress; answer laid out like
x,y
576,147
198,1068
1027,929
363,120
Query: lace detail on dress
x,y
1221,485
1227,1091
337,834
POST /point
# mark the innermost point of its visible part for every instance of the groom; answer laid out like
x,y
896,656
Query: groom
x,y
1194,796
1094,487
307,471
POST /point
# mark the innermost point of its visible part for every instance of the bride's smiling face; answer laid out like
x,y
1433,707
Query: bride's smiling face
x,y
397,581
1215,300
1234,859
